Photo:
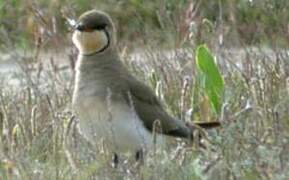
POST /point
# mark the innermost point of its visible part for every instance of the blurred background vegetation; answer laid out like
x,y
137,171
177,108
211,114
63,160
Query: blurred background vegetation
x,y
39,138
230,22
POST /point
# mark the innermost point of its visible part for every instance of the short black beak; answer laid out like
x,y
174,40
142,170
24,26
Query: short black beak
x,y
80,27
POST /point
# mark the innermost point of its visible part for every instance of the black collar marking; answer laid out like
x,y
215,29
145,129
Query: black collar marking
x,y
102,49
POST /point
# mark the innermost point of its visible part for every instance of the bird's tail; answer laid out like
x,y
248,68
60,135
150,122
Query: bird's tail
x,y
201,126
206,125
188,131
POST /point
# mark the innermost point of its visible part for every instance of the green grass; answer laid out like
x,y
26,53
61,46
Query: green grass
x,y
39,138
244,22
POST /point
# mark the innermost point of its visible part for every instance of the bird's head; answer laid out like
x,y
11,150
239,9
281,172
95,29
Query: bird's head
x,y
94,33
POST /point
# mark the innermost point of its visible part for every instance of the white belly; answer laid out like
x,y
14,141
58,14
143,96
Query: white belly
x,y
117,126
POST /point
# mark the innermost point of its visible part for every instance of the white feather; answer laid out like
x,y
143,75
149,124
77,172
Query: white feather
x,y
117,125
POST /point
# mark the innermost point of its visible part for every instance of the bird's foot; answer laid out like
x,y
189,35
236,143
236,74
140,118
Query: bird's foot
x,y
139,156
115,160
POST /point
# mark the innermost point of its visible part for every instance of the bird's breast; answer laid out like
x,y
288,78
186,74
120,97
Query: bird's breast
x,y
105,116
114,123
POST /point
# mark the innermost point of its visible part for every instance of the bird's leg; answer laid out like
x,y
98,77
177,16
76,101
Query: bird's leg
x,y
115,160
139,156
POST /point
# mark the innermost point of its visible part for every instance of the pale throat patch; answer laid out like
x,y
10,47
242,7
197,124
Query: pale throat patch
x,y
89,42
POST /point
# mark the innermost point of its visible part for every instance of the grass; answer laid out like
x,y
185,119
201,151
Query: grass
x,y
241,21
39,138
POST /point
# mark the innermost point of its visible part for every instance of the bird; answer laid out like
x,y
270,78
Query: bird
x,y
112,105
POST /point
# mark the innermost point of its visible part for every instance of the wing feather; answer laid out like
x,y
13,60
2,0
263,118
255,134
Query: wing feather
x,y
149,109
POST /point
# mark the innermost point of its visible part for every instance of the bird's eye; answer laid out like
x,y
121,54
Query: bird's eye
x,y
80,27
100,27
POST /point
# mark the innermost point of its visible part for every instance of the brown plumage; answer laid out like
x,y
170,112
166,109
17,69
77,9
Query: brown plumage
x,y
105,89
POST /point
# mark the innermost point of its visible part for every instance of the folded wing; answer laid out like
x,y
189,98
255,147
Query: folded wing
x,y
149,109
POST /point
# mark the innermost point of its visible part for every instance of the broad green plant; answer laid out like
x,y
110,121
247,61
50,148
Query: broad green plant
x,y
211,78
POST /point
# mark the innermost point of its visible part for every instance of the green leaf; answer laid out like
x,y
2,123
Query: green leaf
x,y
212,80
